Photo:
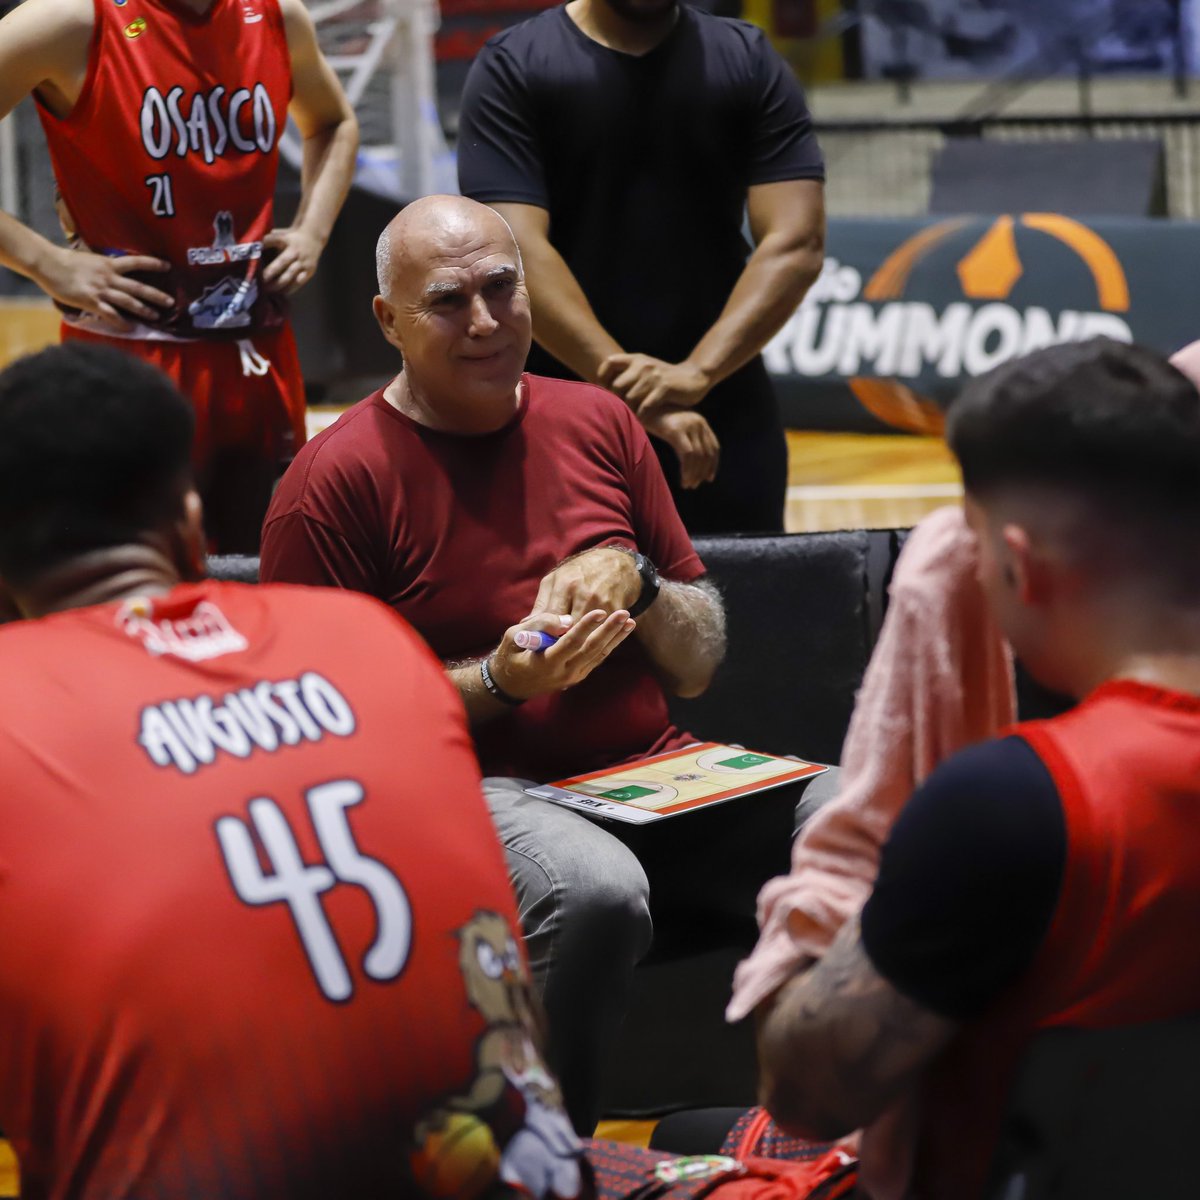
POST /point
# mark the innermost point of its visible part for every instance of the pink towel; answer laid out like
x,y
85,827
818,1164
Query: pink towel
x,y
939,679
1187,360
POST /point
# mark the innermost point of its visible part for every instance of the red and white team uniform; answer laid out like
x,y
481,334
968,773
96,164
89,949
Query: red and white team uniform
x,y
171,150
258,934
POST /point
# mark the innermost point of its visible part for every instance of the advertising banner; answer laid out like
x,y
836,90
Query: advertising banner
x,y
906,310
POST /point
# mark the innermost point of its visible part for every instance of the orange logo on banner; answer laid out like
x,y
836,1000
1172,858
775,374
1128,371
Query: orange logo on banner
x,y
988,271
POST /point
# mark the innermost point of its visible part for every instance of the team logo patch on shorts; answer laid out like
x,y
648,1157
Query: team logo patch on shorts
x,y
224,305
694,1167
136,27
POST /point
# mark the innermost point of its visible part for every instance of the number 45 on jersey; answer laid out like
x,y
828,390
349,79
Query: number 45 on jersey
x,y
300,885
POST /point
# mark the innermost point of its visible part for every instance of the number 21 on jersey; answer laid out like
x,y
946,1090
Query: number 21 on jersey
x,y
300,885
162,199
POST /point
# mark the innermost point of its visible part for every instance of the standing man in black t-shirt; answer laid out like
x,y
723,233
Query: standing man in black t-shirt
x,y
623,140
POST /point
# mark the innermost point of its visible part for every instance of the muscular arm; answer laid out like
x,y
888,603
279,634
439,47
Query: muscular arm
x,y
565,325
787,220
837,1044
968,884
563,320
330,131
44,48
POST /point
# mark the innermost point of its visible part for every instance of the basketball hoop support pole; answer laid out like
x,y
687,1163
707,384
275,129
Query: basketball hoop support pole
x,y
10,189
414,108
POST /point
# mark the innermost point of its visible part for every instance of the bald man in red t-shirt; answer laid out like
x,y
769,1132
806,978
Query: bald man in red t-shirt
x,y
479,501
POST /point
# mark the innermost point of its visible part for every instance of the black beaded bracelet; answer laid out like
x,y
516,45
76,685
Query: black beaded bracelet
x,y
494,688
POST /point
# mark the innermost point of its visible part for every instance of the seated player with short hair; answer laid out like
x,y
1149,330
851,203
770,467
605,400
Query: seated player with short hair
x,y
258,935
1050,877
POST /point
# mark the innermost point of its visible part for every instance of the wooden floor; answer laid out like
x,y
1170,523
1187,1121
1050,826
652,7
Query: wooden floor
x,y
9,1175
26,326
866,481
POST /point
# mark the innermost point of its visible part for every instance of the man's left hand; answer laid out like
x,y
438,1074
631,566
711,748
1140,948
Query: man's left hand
x,y
296,262
603,578
649,384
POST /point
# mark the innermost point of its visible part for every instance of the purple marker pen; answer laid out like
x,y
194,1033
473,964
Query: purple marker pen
x,y
533,639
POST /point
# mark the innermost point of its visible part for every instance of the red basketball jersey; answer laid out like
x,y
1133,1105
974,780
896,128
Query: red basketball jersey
x,y
258,934
1120,948
172,149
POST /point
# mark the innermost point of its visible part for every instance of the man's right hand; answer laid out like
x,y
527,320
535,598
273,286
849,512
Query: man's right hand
x,y
581,647
98,284
692,439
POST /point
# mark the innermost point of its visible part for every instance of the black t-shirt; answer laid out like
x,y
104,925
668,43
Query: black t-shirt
x,y
969,879
642,162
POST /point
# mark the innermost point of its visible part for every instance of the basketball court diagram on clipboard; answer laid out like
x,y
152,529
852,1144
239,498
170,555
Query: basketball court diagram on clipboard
x,y
669,784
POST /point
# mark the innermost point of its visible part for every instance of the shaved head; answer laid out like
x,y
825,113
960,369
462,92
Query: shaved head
x,y
452,300
422,230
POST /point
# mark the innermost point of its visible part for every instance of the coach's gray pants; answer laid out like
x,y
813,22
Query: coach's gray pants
x,y
584,903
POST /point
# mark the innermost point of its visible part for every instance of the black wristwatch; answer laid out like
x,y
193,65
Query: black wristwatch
x,y
651,582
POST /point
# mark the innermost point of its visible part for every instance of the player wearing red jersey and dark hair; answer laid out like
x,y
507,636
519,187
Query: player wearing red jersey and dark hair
x,y
163,119
258,935
1050,878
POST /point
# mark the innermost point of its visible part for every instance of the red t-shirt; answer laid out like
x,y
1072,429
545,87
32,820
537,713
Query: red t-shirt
x,y
233,965
1120,948
456,533
172,148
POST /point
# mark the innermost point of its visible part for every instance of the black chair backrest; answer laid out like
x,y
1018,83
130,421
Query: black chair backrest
x,y
1103,1115
799,640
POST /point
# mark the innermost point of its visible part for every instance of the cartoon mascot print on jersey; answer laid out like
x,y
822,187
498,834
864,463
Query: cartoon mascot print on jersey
x,y
457,1155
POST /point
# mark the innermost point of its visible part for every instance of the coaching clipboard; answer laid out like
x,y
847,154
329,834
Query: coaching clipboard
x,y
680,781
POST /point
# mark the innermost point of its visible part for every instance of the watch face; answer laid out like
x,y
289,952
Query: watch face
x,y
651,583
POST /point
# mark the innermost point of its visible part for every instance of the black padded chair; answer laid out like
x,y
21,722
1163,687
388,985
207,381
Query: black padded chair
x,y
800,633
1103,1115
799,639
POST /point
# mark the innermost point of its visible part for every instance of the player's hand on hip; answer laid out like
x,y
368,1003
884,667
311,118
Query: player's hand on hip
x,y
296,262
649,384
581,647
692,439
603,577
102,285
